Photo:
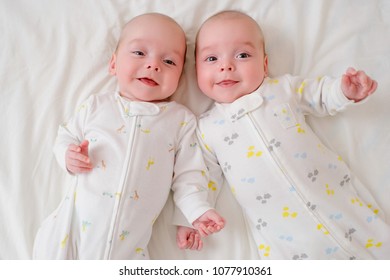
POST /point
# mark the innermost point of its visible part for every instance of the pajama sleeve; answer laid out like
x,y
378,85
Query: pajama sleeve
x,y
190,177
216,177
71,132
320,97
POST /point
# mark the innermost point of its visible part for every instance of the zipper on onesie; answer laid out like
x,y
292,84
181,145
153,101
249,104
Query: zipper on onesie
x,y
121,186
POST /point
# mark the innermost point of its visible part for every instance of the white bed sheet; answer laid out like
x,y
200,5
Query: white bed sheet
x,y
53,54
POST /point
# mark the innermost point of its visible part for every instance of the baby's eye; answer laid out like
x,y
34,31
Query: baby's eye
x,y
139,53
211,58
170,62
243,55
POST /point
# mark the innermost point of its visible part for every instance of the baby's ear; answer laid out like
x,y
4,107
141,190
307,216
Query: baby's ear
x,y
112,65
265,65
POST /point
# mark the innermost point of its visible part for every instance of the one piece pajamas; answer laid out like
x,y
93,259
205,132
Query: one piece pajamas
x,y
299,199
140,151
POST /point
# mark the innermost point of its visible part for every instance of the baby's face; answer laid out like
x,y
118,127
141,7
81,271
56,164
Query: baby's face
x,y
149,60
230,59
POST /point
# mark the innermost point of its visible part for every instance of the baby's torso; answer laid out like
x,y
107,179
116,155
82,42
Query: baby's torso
x,y
132,147
297,194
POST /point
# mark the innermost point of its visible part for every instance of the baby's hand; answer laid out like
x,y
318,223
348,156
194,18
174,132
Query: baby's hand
x,y
76,158
357,85
188,238
209,223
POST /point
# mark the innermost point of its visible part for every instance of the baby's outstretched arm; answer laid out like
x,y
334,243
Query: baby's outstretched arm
x,y
209,223
77,159
357,85
188,238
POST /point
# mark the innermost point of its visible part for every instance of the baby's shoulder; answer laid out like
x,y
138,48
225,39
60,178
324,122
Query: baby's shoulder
x,y
100,97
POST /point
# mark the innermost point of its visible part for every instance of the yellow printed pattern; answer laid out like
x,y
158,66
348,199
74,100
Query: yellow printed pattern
x,y
329,191
358,202
273,81
139,250
370,244
252,152
212,185
266,250
150,163
286,213
64,241
322,228
301,88
123,235
300,129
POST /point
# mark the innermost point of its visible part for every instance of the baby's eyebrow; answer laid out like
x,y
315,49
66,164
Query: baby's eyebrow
x,y
211,48
206,47
176,51
249,44
131,43
241,46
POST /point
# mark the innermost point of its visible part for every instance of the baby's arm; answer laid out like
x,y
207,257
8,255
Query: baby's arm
x,y
77,159
357,85
209,223
188,238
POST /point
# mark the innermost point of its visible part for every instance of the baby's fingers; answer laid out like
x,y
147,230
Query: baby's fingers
x,y
77,163
74,148
203,230
185,243
374,85
368,85
197,244
351,71
81,158
74,154
76,166
214,228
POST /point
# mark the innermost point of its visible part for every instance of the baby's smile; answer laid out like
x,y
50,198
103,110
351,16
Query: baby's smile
x,y
148,81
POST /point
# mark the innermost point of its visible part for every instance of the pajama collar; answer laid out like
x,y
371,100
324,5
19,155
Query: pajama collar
x,y
241,106
136,108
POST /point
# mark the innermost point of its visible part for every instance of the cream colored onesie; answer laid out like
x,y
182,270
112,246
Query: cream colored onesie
x,y
140,152
299,198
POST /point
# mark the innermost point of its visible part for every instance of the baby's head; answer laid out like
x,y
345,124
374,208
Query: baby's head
x,y
149,58
230,56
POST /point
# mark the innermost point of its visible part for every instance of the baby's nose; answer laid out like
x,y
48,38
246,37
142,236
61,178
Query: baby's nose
x,y
154,67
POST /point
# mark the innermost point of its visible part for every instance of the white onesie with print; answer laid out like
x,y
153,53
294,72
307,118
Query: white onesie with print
x,y
140,152
299,198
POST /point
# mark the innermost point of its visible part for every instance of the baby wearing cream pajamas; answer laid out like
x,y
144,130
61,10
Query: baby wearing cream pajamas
x,y
141,150
299,198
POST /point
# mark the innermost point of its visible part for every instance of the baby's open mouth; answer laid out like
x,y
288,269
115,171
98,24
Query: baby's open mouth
x,y
148,81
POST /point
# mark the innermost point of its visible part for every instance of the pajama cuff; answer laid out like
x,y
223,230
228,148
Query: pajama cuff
x,y
193,207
